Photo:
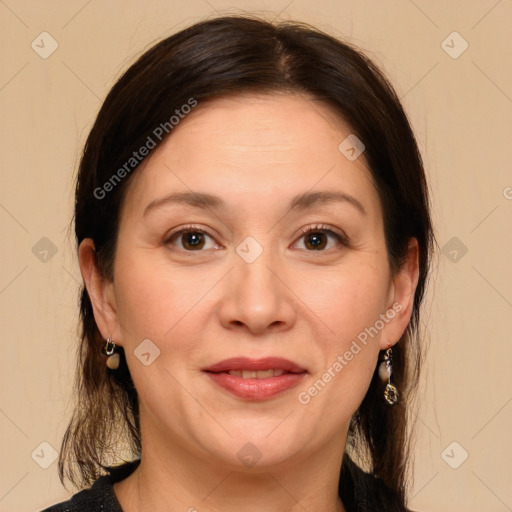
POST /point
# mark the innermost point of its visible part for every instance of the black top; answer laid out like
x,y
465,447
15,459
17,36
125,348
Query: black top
x,y
100,497
371,494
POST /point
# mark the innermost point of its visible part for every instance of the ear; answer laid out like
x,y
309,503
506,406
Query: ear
x,y
100,290
401,297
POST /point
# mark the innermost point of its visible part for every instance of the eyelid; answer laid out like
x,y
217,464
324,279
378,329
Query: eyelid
x,y
188,228
313,228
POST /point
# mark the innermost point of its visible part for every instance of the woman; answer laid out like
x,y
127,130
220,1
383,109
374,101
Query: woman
x,y
254,237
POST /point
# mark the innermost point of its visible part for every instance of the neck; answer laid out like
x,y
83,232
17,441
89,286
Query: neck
x,y
175,478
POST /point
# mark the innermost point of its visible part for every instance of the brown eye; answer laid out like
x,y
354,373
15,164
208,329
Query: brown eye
x,y
315,241
192,240
318,238
189,240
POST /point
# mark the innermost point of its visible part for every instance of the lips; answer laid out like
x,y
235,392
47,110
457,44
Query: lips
x,y
260,374
252,367
256,379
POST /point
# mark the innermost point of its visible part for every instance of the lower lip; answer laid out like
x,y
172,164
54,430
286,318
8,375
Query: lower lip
x,y
256,389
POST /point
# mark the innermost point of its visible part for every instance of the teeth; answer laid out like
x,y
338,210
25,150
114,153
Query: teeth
x,y
260,374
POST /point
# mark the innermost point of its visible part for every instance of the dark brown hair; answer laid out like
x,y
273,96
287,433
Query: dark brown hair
x,y
233,55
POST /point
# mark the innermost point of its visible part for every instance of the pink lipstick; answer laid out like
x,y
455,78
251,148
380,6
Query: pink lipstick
x,y
256,379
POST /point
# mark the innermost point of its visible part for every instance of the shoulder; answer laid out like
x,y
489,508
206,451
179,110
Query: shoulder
x,y
100,497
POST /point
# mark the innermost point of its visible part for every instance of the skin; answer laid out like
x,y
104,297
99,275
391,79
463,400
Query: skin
x,y
255,152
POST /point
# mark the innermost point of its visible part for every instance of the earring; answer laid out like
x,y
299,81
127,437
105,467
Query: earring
x,y
385,371
112,356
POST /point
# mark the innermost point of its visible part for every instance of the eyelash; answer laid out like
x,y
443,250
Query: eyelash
x,y
186,229
322,228
316,228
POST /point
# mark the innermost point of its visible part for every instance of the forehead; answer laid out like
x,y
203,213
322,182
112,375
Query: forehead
x,y
276,127
262,146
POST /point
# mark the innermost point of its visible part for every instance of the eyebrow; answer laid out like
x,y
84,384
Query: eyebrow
x,y
301,202
310,199
195,199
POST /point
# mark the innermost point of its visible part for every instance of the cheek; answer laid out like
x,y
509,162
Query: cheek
x,y
157,303
348,303
170,307
346,300
164,307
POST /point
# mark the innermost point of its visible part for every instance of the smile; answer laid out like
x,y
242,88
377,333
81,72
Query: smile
x,y
256,379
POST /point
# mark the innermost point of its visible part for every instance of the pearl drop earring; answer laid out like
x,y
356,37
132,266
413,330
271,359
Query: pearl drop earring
x,y
113,357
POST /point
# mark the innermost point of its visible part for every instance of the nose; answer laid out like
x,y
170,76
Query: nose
x,y
256,299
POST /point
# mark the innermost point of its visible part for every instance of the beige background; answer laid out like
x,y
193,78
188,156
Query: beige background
x,y
461,110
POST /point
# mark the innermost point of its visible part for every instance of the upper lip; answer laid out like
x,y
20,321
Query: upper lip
x,y
245,363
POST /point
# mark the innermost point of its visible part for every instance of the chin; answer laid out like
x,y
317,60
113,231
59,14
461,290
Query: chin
x,y
255,450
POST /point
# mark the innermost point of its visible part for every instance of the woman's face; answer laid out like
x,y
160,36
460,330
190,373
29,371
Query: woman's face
x,y
249,234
